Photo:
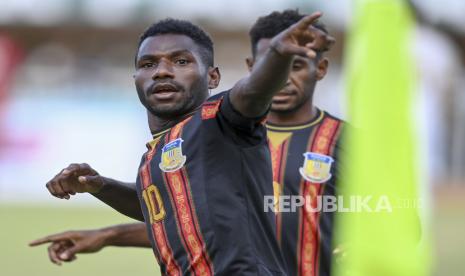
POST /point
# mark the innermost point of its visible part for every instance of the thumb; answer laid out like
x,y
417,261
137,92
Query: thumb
x,y
90,179
93,182
70,253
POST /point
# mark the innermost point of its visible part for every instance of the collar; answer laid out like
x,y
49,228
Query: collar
x,y
317,119
156,138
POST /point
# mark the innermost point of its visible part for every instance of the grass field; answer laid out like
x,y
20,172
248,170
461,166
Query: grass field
x,y
449,228
20,224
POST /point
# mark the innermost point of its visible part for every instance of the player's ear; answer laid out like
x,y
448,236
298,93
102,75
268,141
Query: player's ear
x,y
214,77
249,61
322,68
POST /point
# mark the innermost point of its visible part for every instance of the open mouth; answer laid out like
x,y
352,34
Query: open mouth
x,y
164,91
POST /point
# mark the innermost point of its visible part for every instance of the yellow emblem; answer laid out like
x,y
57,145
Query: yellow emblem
x,y
172,158
316,167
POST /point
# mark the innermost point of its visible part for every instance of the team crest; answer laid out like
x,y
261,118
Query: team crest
x,y
172,158
316,167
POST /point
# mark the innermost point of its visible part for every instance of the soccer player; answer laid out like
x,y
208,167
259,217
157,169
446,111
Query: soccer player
x,y
298,133
203,180
304,142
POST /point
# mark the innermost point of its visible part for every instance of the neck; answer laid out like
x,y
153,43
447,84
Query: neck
x,y
157,124
301,115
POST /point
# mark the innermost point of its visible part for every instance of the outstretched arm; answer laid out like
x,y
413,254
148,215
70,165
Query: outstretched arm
x,y
251,96
64,246
81,178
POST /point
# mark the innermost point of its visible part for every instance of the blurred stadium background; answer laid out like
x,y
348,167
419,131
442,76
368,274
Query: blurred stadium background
x,y
66,95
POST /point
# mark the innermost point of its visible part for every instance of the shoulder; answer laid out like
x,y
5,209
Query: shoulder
x,y
332,117
217,97
211,106
334,128
340,124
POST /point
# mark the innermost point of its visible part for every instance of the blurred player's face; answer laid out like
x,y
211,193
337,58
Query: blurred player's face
x,y
300,85
171,79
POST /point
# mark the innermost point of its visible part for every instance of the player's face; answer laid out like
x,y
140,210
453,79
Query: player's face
x,y
301,83
171,79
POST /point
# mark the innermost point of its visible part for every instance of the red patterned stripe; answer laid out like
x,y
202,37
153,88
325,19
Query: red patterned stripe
x,y
334,137
186,218
165,253
323,143
301,215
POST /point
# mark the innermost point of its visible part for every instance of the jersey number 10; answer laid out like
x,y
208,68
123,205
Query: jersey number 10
x,y
154,203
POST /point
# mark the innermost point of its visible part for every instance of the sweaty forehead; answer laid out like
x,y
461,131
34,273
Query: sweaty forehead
x,y
167,43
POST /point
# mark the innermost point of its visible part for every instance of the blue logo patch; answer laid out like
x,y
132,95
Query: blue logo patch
x,y
172,158
316,167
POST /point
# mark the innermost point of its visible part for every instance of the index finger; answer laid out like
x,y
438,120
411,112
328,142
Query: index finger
x,y
70,169
76,168
50,238
308,20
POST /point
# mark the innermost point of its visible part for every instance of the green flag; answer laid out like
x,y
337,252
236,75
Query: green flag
x,y
380,235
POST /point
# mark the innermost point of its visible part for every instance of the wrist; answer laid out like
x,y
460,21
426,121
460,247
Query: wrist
x,y
99,185
108,235
275,48
278,47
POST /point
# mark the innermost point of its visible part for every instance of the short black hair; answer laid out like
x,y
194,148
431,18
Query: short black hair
x,y
182,27
272,24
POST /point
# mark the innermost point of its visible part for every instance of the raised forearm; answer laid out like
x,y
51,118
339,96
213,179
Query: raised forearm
x,y
120,196
134,234
252,95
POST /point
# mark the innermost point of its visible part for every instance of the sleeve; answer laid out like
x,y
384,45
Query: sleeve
x,y
223,121
237,120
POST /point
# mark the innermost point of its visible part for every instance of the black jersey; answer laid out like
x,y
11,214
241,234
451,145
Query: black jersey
x,y
201,186
305,163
